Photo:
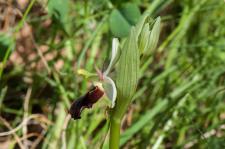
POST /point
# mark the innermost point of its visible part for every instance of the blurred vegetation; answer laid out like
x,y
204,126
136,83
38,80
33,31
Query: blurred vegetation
x,y
180,102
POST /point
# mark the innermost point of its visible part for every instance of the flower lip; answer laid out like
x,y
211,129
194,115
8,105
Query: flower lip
x,y
85,101
94,94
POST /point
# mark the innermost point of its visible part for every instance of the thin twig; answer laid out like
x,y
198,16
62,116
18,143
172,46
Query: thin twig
x,y
38,140
67,119
206,135
26,108
14,134
12,131
41,55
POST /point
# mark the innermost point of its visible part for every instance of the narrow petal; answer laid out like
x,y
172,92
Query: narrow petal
x,y
85,73
115,45
110,89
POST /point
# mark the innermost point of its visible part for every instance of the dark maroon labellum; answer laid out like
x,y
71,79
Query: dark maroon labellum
x,y
85,101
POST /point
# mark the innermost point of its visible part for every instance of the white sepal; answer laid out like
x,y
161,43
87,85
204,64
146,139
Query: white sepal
x,y
115,46
110,89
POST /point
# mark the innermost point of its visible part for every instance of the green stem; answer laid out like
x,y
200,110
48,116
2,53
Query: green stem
x,y
114,139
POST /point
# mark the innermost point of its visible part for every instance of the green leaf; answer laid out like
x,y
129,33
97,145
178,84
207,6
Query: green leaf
x,y
139,26
123,18
131,12
154,36
118,24
5,42
144,38
59,10
142,121
127,73
117,2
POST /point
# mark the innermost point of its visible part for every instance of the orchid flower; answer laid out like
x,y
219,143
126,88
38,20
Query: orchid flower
x,y
106,83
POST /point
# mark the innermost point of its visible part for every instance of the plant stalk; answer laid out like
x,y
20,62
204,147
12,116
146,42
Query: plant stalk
x,y
114,139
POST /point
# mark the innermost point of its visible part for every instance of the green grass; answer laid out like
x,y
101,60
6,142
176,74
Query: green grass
x,y
181,92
